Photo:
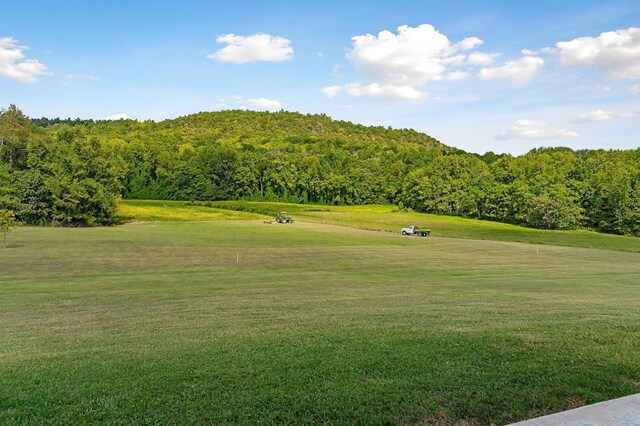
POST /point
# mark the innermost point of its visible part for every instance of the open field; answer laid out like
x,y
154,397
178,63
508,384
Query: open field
x,y
379,218
242,322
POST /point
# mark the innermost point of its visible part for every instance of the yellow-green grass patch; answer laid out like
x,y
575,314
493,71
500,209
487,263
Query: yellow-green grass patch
x,y
150,210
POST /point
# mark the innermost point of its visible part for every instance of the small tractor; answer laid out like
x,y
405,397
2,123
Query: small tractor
x,y
283,217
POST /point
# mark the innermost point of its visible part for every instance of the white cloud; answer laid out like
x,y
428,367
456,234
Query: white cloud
x,y
479,58
375,90
469,43
253,48
616,53
411,57
595,115
635,89
331,91
601,115
264,103
529,52
519,72
397,65
456,75
527,129
14,65
116,117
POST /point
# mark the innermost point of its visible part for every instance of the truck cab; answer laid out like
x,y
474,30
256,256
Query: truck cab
x,y
415,230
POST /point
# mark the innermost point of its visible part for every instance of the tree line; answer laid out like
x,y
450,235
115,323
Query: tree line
x,y
73,172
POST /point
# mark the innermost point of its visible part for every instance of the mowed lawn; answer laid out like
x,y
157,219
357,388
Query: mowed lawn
x,y
248,323
391,219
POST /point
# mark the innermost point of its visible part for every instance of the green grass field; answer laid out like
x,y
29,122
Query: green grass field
x,y
388,218
236,321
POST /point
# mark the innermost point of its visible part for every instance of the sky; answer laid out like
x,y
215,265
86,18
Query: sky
x,y
501,76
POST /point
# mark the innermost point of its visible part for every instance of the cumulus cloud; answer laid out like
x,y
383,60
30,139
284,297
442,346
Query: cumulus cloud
x,y
479,58
14,65
456,75
527,129
253,48
116,117
264,103
469,43
519,72
331,91
595,115
398,64
375,90
616,53
412,57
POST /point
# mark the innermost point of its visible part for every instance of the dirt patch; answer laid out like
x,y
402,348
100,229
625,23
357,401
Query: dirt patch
x,y
575,402
443,420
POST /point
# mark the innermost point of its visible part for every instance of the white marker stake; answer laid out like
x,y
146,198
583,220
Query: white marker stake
x,y
237,258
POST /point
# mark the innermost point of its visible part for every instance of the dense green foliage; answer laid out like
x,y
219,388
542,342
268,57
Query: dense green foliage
x,y
64,177
299,158
7,222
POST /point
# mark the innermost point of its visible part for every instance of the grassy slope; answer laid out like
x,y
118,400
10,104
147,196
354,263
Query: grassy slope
x,y
143,210
387,218
181,322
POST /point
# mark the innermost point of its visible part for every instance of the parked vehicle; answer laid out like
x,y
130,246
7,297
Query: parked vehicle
x,y
414,230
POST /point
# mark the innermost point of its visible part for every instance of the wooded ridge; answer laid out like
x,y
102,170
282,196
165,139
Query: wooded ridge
x,y
72,172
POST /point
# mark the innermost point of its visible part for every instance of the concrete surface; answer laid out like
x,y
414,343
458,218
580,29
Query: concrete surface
x,y
616,412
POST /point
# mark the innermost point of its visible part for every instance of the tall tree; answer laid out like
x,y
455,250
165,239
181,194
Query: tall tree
x,y
7,222
14,136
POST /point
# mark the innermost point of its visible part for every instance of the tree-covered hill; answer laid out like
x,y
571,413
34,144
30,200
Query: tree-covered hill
x,y
72,172
252,126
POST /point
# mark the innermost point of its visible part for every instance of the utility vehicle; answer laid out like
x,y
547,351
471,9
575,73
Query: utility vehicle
x,y
414,230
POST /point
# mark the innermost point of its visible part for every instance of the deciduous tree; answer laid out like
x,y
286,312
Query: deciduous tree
x,y
7,222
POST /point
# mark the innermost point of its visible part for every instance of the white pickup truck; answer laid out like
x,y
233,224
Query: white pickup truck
x,y
414,230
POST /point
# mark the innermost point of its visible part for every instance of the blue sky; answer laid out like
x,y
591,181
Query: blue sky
x,y
505,76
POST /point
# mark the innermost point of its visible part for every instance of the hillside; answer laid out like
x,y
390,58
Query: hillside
x,y
72,172
262,128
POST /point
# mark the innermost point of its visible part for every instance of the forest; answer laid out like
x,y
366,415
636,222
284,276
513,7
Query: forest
x,y
73,172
